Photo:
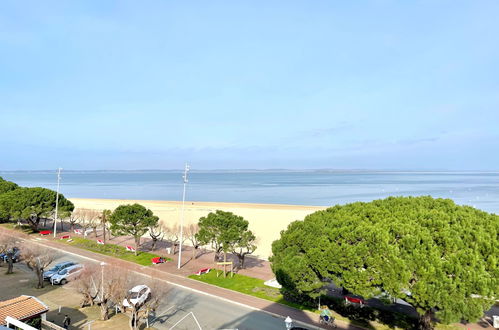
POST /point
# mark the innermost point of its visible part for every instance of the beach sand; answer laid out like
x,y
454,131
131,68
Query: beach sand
x,y
265,220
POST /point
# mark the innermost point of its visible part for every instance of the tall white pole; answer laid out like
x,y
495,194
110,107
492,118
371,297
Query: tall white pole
x,y
102,264
182,217
57,200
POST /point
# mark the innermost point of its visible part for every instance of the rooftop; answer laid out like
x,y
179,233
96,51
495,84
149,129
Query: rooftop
x,y
21,308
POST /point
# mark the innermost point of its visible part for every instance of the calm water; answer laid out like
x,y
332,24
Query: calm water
x,y
306,187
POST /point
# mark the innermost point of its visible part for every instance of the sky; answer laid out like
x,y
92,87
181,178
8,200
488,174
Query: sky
x,y
249,84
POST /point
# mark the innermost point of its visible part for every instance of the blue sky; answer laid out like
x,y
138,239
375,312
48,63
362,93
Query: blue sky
x,y
249,84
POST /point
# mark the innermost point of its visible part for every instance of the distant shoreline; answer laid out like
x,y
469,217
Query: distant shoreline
x,y
207,204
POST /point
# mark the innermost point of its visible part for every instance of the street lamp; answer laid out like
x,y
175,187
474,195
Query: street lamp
x,y
102,264
57,200
289,322
186,170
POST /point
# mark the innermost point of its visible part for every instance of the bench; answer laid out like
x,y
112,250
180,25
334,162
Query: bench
x,y
157,260
45,232
130,248
99,241
65,237
353,300
203,271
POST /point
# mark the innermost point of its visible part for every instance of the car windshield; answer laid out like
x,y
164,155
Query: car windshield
x,y
55,268
134,295
63,272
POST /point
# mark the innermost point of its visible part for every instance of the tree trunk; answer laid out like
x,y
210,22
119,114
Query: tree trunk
x,y
194,252
137,244
95,231
10,263
425,321
134,320
104,311
72,226
33,223
241,258
39,274
88,300
62,225
104,233
154,242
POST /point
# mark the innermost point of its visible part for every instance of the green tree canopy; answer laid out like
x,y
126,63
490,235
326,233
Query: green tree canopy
x,y
32,204
432,253
133,220
223,230
6,186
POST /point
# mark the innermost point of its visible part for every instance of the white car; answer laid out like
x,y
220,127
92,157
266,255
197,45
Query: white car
x,y
137,295
67,274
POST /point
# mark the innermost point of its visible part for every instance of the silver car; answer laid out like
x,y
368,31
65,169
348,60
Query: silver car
x,y
57,268
67,274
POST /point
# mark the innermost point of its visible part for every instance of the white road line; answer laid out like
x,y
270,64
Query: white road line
x,y
181,286
190,313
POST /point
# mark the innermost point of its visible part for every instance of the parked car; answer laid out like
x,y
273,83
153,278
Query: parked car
x,y
15,257
67,274
137,295
57,268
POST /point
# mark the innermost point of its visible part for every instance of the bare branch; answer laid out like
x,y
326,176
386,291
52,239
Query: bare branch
x,y
38,258
191,231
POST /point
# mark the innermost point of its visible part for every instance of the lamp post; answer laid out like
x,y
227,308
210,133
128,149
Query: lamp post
x,y
186,170
289,323
57,200
102,264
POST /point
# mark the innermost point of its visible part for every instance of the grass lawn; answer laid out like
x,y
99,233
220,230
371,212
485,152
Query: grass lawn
x,y
112,250
247,285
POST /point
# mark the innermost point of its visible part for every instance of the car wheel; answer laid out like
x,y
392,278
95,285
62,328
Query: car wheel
x,y
64,281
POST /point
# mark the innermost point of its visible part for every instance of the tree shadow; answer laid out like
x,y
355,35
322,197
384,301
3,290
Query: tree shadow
x,y
393,315
184,302
270,320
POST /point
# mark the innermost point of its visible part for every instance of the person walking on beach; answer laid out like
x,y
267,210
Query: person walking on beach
x,y
66,322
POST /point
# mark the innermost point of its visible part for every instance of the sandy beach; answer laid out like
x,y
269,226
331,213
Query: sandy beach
x,y
265,220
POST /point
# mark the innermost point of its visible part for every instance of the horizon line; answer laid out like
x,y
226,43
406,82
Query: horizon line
x,y
259,170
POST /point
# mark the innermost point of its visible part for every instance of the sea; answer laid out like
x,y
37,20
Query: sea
x,y
308,187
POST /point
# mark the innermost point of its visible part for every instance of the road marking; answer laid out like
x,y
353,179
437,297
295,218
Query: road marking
x,y
195,319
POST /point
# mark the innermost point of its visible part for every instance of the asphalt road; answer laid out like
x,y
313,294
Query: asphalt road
x,y
184,309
